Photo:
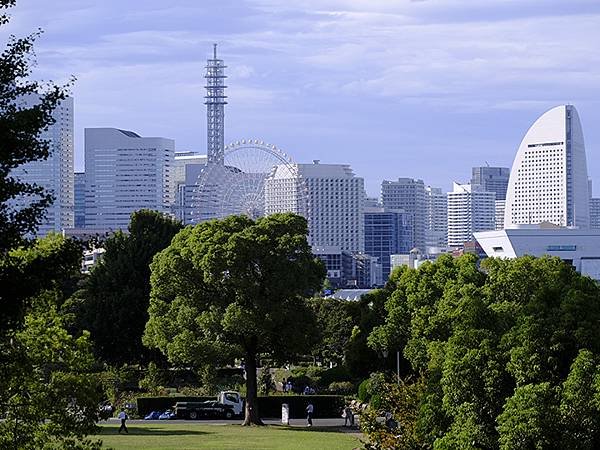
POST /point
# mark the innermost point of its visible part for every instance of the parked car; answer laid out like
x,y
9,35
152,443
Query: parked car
x,y
167,415
154,415
209,409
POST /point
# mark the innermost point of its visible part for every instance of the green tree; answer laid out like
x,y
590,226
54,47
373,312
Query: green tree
x,y
334,328
513,342
113,303
49,394
367,313
531,419
235,288
265,381
579,412
49,263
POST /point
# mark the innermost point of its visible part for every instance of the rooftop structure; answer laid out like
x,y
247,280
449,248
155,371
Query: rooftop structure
x,y
579,247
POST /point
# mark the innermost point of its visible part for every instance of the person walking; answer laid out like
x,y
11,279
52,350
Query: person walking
x,y
123,417
309,414
348,416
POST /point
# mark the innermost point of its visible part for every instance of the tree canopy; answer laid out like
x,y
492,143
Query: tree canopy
x,y
508,351
235,288
113,302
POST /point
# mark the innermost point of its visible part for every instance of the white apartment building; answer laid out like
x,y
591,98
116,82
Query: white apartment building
x,y
330,196
436,218
187,167
548,181
125,172
56,173
408,194
470,209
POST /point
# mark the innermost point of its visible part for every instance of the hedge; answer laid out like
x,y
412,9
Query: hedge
x,y
324,405
145,405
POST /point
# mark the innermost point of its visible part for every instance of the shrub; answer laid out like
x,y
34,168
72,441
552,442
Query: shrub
x,y
363,391
338,373
341,387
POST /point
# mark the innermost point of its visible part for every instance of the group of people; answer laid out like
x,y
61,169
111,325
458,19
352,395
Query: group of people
x,y
287,386
308,390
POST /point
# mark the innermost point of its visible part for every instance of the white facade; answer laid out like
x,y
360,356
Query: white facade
x,y
470,209
436,219
124,173
330,196
187,167
56,173
549,181
595,213
579,247
500,207
408,194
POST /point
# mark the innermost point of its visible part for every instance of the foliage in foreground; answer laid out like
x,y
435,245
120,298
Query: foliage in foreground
x,y
509,353
49,394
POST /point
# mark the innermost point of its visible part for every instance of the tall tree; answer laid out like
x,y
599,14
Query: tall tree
x,y
113,303
20,140
235,288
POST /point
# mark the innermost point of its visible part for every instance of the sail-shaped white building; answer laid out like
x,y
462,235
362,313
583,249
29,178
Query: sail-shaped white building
x,y
547,202
549,181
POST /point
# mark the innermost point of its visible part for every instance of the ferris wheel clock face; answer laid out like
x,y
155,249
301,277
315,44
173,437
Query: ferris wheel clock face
x,y
238,185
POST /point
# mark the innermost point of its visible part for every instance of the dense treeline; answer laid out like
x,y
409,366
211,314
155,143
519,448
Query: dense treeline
x,y
503,356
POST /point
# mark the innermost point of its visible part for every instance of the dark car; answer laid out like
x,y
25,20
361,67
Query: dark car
x,y
203,410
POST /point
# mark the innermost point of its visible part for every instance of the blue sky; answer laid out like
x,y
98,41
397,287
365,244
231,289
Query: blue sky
x,y
395,88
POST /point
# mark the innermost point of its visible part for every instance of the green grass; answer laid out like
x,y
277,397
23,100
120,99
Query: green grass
x,y
216,437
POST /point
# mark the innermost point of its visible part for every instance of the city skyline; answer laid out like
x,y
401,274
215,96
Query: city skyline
x,y
387,89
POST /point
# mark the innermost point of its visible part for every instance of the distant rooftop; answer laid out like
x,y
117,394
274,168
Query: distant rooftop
x,y
130,134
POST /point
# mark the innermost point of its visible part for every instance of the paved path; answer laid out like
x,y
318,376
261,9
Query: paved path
x,y
317,423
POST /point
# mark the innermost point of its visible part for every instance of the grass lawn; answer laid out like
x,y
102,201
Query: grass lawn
x,y
215,437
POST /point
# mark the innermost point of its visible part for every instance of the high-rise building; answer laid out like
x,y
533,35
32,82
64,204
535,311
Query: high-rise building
x,y
549,180
125,172
470,209
436,218
491,179
387,232
407,194
330,196
79,199
55,174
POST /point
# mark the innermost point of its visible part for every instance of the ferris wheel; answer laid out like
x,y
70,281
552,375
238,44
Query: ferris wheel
x,y
238,185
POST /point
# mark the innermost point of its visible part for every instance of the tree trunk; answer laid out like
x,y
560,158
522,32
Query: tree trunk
x,y
251,409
